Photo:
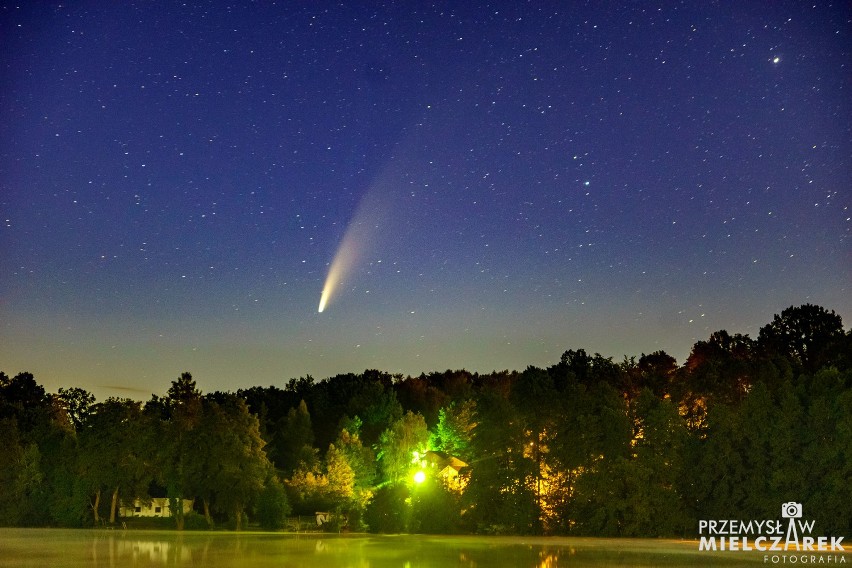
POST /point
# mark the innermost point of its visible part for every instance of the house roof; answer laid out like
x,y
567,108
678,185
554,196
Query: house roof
x,y
443,459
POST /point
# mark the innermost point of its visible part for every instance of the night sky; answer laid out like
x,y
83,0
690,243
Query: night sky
x,y
504,181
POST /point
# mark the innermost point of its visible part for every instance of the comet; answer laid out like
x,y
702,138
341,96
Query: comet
x,y
373,219
344,259
367,222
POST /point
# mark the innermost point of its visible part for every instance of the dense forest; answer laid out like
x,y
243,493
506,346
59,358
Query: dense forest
x,y
588,446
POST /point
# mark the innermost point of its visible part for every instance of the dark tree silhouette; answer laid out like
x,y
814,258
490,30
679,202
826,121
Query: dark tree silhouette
x,y
807,334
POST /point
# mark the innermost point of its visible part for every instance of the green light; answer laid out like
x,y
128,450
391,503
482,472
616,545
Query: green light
x,y
419,477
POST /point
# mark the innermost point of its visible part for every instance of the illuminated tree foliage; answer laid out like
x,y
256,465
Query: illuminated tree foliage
x,y
454,431
588,446
341,484
398,444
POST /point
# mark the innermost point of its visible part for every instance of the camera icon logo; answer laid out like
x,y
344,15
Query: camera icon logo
x,y
791,510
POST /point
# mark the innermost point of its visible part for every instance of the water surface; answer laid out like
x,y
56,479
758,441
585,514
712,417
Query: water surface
x,y
112,549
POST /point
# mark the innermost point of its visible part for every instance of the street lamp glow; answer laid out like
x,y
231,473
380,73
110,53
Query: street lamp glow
x,y
420,477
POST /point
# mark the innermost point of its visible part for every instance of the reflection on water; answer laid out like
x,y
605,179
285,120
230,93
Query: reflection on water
x,y
108,549
112,549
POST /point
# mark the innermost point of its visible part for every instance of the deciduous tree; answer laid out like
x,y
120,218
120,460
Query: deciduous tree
x,y
399,442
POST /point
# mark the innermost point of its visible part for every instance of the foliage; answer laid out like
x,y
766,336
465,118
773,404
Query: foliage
x,y
339,486
454,430
272,506
180,450
435,509
805,334
388,511
235,467
587,446
503,469
292,444
77,403
307,490
398,444
113,453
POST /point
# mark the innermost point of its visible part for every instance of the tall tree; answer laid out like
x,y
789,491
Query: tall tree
x,y
720,370
361,460
114,454
77,403
590,449
20,473
26,401
652,501
500,465
807,334
293,441
454,431
533,390
46,437
398,444
657,370
235,464
826,451
183,412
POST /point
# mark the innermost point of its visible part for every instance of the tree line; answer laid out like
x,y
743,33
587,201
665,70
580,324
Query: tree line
x,y
587,446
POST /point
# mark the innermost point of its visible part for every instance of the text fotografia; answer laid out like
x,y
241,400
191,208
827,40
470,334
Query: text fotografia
x,y
771,535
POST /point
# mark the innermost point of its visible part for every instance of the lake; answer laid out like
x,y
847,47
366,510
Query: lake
x,y
58,548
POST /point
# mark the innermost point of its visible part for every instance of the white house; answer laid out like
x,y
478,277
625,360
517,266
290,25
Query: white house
x,y
157,507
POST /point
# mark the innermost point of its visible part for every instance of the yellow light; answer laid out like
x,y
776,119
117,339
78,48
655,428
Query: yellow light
x,y
419,477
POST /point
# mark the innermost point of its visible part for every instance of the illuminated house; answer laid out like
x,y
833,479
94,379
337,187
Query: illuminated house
x,y
448,468
157,507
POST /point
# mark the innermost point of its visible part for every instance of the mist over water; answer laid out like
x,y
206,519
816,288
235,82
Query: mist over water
x,y
106,548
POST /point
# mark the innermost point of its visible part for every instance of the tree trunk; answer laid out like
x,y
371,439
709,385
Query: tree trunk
x,y
97,505
238,518
207,512
177,510
113,506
